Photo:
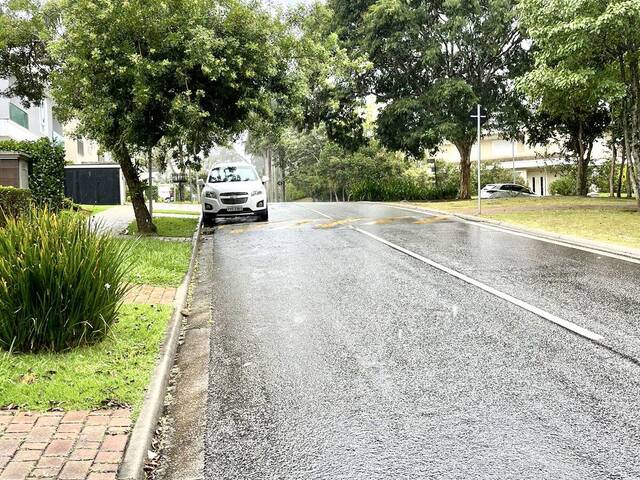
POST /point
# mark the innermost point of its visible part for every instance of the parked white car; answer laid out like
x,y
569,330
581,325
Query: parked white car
x,y
234,189
505,190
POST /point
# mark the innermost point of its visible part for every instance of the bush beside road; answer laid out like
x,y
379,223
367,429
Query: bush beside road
x,y
608,220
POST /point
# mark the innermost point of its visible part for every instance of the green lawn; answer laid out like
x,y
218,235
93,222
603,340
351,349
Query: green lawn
x,y
158,262
115,371
614,221
94,209
170,227
175,212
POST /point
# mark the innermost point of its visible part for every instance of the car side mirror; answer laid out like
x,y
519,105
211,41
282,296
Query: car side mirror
x,y
265,179
201,182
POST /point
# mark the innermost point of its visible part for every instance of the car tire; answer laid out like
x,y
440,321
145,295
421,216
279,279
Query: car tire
x,y
208,219
264,217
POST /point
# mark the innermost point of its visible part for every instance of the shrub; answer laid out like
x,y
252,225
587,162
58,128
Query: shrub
x,y
400,188
61,281
46,178
563,186
13,203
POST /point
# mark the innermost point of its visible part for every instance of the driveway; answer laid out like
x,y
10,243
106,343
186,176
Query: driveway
x,y
362,341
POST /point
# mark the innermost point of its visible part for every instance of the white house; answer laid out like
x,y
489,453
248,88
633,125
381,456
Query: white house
x,y
533,164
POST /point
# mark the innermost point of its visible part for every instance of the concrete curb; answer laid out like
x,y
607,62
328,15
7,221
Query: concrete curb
x,y
132,466
631,254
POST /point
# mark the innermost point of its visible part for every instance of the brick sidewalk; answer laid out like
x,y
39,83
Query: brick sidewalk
x,y
58,445
150,295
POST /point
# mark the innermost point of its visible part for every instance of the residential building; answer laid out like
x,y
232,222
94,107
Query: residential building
x,y
18,122
535,165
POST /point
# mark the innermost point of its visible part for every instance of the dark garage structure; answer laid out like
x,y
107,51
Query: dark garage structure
x,y
94,184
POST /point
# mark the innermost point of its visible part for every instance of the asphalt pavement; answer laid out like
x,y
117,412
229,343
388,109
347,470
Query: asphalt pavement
x,y
363,341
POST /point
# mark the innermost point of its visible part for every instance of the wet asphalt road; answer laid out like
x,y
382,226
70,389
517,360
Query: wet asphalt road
x,y
334,356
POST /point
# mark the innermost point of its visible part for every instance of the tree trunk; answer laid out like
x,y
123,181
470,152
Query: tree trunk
x,y
136,190
634,159
464,149
612,170
583,163
622,166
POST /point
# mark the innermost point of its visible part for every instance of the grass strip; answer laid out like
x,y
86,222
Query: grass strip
x,y
170,227
115,371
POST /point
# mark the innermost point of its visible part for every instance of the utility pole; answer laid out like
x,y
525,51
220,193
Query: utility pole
x,y
479,160
150,194
513,158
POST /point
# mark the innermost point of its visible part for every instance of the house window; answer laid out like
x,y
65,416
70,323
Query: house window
x,y
18,115
541,185
81,147
533,184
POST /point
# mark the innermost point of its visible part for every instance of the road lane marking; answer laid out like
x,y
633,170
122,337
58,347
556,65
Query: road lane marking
x,y
461,276
315,211
519,234
505,296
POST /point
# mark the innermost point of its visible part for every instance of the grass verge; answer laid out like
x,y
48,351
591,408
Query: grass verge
x,y
94,209
608,220
158,262
170,227
115,371
176,212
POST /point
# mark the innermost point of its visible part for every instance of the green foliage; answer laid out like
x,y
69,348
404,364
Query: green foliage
x,y
157,262
25,26
46,180
116,370
400,188
431,63
564,186
179,76
14,202
170,226
61,282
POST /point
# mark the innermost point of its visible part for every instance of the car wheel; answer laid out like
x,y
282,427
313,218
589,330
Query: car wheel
x,y
208,219
264,217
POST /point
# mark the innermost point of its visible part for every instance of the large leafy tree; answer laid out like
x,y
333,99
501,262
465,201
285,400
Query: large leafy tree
x,y
432,62
587,57
25,28
182,74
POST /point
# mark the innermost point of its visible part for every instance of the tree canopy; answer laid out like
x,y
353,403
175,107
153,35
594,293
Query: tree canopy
x,y
185,73
432,62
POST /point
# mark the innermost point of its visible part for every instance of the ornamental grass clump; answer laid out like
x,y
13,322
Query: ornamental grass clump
x,y
61,281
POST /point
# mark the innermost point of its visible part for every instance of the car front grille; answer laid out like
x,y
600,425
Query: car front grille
x,y
234,198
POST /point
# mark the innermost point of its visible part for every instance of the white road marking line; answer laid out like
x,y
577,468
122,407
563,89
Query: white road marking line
x,y
314,211
520,234
520,303
505,296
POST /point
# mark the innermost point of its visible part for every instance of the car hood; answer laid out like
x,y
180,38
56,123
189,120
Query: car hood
x,y
227,187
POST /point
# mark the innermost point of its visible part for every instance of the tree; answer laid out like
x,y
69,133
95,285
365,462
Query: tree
x,y
587,58
25,27
181,74
432,63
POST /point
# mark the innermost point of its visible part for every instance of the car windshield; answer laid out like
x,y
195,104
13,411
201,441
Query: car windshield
x,y
232,174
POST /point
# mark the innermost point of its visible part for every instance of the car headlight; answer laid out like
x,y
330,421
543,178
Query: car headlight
x,y
210,194
257,192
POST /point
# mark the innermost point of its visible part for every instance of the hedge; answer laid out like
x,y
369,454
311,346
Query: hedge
x,y
13,203
46,179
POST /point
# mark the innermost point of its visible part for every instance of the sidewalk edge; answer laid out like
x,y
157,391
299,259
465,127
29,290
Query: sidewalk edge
x,y
132,466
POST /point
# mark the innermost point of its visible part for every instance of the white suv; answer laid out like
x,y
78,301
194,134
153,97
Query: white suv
x,y
234,189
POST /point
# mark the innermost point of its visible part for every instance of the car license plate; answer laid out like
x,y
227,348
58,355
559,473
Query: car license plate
x,y
234,209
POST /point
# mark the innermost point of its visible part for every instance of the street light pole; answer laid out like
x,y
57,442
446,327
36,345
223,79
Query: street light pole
x,y
479,159
513,158
150,186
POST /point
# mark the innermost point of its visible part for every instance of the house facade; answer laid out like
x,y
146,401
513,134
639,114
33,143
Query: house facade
x,y
535,165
